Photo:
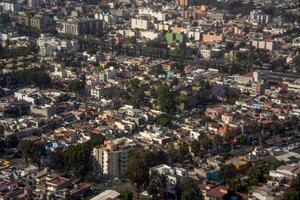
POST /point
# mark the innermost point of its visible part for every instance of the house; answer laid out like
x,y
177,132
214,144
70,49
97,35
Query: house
x,y
218,193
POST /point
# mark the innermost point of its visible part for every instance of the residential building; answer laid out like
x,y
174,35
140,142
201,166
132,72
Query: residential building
x,y
174,176
85,26
112,158
139,23
10,6
33,3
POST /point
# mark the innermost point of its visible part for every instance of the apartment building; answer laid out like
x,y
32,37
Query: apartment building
x,y
10,6
37,21
261,44
137,23
112,158
33,3
79,26
174,176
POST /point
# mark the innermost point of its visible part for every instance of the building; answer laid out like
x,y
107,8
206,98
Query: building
x,y
261,44
160,16
80,26
112,158
212,37
38,21
173,176
33,3
183,3
29,95
49,46
138,23
107,195
106,17
260,17
208,54
10,6
287,172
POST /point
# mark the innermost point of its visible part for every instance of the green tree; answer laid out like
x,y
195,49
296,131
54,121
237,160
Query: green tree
x,y
96,139
77,160
293,193
126,194
196,147
138,168
190,191
183,151
76,85
31,151
2,136
56,161
157,185
164,120
227,172
165,98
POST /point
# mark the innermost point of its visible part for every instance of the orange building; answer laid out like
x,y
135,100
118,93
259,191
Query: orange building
x,y
212,37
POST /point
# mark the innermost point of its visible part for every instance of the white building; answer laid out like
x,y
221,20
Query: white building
x,y
260,44
48,46
10,6
151,35
31,95
137,23
173,175
107,74
210,53
112,158
160,16
106,17
290,172
259,16
33,3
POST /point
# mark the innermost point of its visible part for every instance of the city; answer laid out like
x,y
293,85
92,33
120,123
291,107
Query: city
x,y
154,99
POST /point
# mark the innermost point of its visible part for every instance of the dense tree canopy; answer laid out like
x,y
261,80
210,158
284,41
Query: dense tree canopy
x,y
76,85
138,167
32,151
165,98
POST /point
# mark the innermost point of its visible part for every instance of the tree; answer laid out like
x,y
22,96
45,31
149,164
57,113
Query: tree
x,y
183,151
293,193
196,147
227,172
4,19
56,161
2,136
38,78
31,150
165,98
190,191
164,120
126,194
96,139
76,85
77,160
157,185
138,168
295,123
137,172
137,98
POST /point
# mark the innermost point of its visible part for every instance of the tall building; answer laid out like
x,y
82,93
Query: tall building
x,y
79,26
112,158
183,3
33,3
38,21
10,6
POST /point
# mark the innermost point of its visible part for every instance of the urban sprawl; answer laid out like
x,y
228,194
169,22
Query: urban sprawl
x,y
150,99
